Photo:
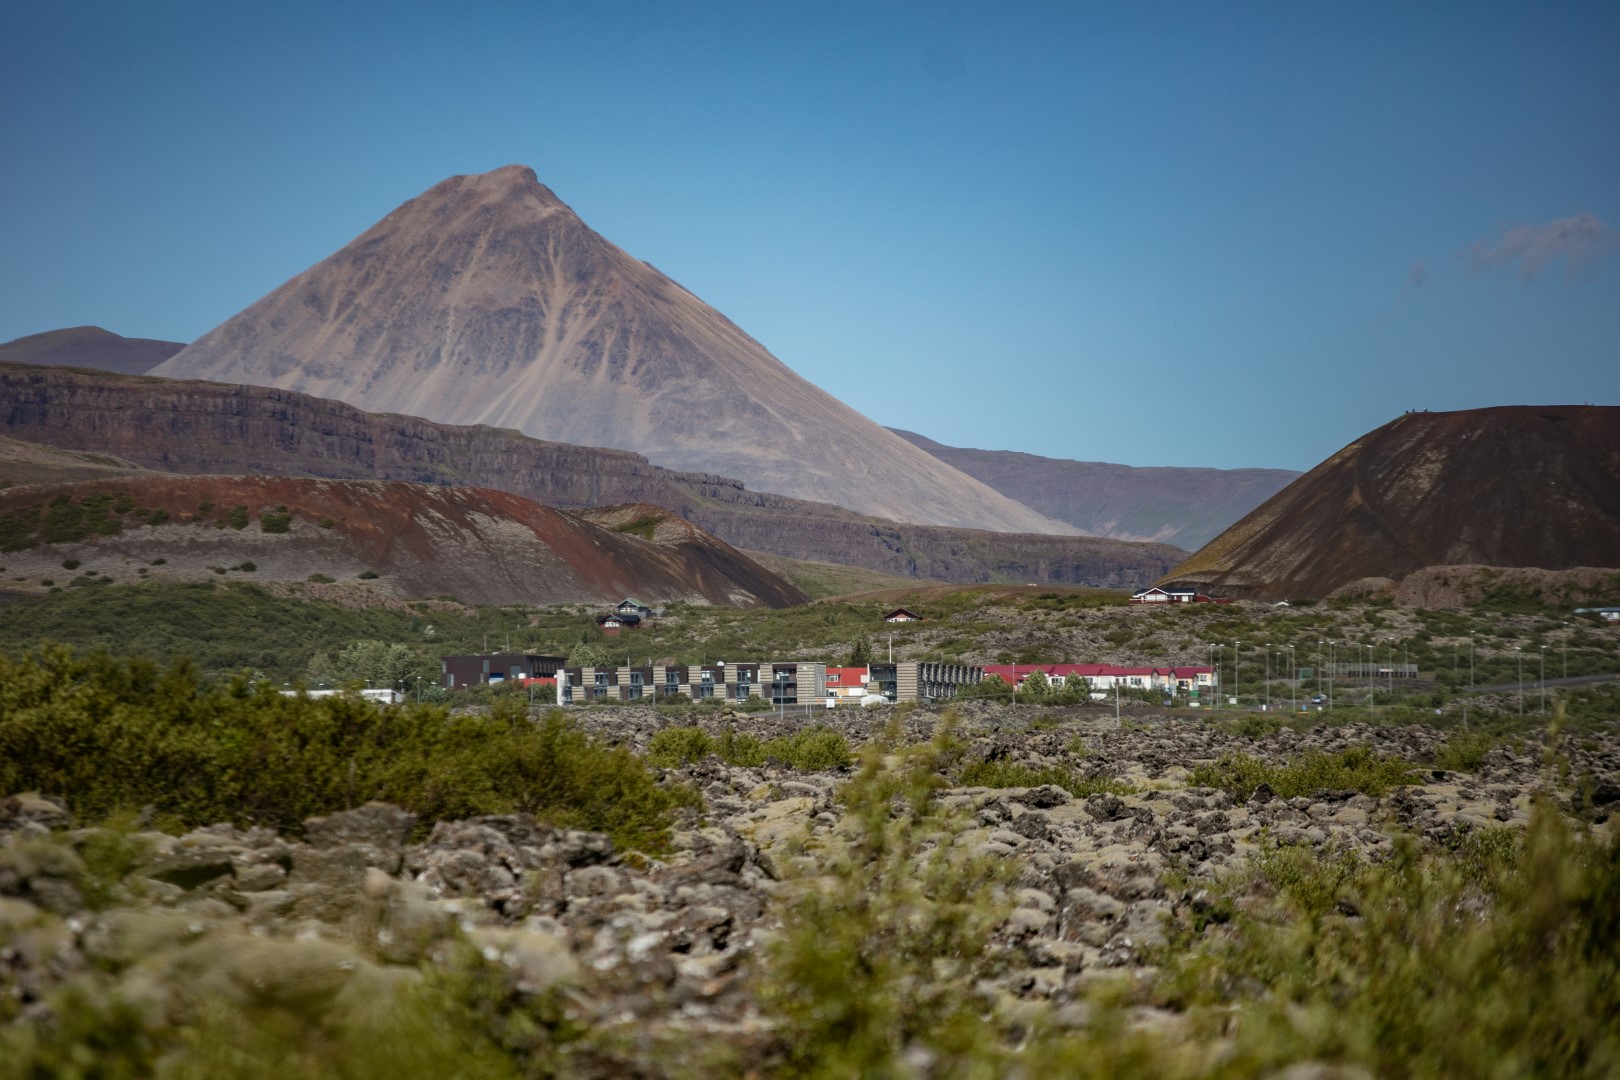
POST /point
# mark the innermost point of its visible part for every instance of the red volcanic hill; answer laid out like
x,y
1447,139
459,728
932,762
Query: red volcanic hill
x,y
99,420
1517,486
90,347
407,540
486,300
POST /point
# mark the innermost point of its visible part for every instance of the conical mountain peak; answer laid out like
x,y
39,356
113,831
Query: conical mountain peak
x,y
486,300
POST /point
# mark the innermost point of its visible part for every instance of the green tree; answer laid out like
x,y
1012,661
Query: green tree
x,y
591,654
1036,687
861,654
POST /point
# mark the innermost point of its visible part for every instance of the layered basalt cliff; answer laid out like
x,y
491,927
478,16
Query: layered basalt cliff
x,y
202,427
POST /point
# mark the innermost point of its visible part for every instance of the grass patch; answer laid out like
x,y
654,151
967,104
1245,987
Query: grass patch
x,y
643,526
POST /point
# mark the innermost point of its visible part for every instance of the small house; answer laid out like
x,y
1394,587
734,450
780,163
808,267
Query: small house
x,y
901,614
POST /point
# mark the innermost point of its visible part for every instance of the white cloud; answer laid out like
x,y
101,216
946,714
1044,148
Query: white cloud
x,y
1582,242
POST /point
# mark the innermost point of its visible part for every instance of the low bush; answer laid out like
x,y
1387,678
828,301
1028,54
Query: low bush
x,y
116,736
1499,956
1356,768
815,749
1007,774
1464,751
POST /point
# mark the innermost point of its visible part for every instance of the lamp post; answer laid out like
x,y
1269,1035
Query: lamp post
x,y
1293,681
1563,644
1470,676
1236,676
1215,676
1518,652
1268,676
1543,680
1331,671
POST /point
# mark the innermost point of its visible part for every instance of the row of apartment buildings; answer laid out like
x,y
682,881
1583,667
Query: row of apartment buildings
x,y
778,682
794,682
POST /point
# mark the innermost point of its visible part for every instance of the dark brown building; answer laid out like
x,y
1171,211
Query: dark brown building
x,y
462,671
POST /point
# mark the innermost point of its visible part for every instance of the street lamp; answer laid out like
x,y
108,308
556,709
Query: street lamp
x,y
1470,676
1236,677
1293,681
1518,652
1268,676
1215,676
1331,666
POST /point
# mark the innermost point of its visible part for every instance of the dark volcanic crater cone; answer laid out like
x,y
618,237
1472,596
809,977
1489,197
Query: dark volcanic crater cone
x,y
1515,486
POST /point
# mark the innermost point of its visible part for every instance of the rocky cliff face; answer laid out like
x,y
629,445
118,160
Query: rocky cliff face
x,y
202,427
1518,486
408,540
1185,507
486,300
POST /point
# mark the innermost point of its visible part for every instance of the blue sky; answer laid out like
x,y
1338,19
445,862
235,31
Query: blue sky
x,y
1189,234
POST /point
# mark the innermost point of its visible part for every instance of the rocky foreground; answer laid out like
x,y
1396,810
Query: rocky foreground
x,y
368,900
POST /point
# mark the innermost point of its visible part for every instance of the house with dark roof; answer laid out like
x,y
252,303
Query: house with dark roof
x,y
901,614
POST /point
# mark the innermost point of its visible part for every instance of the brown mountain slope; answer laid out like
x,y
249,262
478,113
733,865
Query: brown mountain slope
x,y
90,347
413,540
1182,506
202,427
1514,486
486,300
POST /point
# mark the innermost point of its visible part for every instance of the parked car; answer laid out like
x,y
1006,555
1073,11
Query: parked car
x,y
1319,699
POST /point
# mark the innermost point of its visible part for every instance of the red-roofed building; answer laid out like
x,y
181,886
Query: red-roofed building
x,y
846,685
1104,677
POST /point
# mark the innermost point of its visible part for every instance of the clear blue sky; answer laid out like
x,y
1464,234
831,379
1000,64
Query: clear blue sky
x,y
1194,234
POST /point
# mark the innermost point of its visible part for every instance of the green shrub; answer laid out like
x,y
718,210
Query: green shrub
x,y
115,736
1356,768
1464,751
237,518
814,749
741,749
279,522
676,746
321,579
884,938
1497,957
70,564
368,575
1008,774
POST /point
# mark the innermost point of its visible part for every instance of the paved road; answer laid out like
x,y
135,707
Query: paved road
x,y
1532,684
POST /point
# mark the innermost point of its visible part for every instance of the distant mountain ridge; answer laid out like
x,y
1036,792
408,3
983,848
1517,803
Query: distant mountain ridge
x,y
486,300
90,347
203,427
1512,486
1187,507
